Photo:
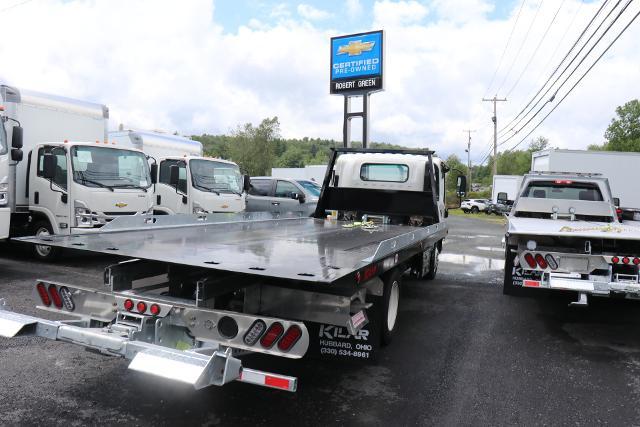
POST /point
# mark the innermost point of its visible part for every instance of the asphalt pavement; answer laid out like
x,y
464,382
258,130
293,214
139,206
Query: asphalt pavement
x,y
464,355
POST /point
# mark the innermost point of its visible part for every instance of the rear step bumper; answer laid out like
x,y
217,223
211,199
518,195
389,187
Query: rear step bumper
x,y
585,286
200,367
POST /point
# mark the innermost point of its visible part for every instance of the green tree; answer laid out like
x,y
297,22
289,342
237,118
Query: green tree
x,y
623,133
253,148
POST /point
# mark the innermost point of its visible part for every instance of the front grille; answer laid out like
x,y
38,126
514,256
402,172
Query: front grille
x,y
119,213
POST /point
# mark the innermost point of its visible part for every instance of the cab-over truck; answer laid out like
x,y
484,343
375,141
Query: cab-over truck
x,y
198,292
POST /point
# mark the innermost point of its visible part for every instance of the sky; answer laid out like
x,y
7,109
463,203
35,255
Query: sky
x,y
203,66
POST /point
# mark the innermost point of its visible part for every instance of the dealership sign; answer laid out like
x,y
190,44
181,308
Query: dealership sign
x,y
357,63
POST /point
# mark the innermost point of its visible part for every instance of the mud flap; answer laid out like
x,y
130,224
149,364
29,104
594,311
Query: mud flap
x,y
330,342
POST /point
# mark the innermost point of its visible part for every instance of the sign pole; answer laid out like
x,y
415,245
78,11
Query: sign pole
x,y
348,115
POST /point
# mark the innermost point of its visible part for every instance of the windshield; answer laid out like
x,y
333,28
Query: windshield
x,y
563,190
109,167
310,187
217,177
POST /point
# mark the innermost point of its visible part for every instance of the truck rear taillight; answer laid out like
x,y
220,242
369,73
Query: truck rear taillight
x,y
44,296
615,260
55,296
530,260
626,260
154,309
255,332
553,264
128,304
636,261
541,261
272,335
141,307
290,337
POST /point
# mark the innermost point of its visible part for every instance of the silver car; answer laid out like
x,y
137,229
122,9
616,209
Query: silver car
x,y
268,194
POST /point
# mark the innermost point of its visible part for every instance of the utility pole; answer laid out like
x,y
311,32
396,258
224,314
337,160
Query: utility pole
x,y
468,150
495,99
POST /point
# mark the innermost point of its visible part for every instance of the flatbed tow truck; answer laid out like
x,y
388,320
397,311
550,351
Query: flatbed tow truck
x,y
198,292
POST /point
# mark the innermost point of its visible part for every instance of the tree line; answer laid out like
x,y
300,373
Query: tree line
x,y
259,148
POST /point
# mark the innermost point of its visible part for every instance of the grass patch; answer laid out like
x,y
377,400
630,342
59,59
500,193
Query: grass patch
x,y
480,215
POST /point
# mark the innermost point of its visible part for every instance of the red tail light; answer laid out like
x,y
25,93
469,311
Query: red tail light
x,y
55,296
541,261
141,307
615,260
530,260
625,260
636,261
272,335
154,309
44,296
128,305
290,337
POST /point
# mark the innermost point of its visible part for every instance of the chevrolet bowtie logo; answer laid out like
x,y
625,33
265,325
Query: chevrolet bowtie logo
x,y
355,47
121,205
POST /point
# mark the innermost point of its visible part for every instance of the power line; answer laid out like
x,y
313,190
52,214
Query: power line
x,y
572,72
535,51
579,80
584,31
506,46
526,36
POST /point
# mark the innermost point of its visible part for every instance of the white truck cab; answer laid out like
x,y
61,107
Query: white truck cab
x,y
201,184
390,171
51,184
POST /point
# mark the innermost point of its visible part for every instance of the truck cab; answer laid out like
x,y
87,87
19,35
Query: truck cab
x,y
200,185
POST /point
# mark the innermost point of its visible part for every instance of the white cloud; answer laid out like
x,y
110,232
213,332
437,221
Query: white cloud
x,y
354,8
397,13
311,13
177,70
280,11
462,10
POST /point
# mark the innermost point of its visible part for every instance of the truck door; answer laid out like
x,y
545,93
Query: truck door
x,y
166,196
283,201
47,196
259,195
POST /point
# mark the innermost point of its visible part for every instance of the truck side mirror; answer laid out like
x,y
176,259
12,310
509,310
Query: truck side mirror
x,y
616,202
299,197
154,173
461,185
16,137
174,175
49,164
247,184
502,197
16,154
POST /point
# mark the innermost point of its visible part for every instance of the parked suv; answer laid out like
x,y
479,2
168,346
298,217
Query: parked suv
x,y
473,205
268,194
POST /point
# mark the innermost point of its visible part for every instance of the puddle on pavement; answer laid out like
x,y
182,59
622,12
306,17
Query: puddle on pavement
x,y
477,263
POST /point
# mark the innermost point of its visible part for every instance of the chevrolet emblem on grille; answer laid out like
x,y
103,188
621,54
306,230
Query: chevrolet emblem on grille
x,y
121,205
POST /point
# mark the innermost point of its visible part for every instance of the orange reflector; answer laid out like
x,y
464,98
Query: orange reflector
x,y
532,283
276,382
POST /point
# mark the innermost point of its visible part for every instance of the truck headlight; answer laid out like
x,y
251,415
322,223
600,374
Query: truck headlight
x,y
197,210
4,194
83,215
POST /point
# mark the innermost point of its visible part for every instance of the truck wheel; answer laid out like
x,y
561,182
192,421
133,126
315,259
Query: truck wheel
x,y
390,307
508,287
487,211
43,252
465,211
474,210
433,263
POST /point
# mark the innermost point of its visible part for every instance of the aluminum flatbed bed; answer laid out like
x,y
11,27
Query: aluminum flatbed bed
x,y
286,247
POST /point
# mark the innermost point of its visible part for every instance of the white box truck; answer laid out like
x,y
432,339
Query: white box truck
x,y
64,186
200,185
621,169
509,184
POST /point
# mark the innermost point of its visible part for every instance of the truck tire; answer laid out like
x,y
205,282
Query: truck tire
x,y
433,263
43,252
390,306
474,210
508,287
